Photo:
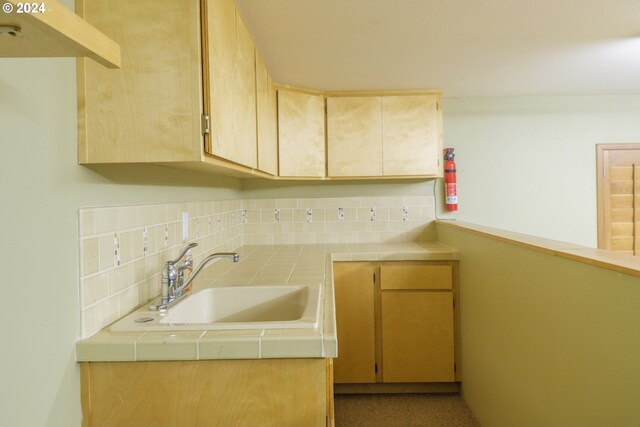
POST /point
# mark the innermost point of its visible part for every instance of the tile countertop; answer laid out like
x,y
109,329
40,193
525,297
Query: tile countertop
x,y
259,265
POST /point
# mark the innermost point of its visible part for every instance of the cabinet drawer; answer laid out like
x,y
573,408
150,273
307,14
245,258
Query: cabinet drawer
x,y
416,277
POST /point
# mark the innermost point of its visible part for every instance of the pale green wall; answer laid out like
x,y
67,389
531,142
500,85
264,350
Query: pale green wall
x,y
527,164
41,188
546,341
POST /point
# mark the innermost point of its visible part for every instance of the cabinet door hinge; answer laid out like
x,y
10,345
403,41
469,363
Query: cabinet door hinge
x,y
205,124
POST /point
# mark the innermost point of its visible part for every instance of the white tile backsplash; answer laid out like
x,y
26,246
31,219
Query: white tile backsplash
x,y
340,220
122,249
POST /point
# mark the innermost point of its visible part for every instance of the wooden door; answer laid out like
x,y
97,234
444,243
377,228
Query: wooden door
x,y
267,116
229,84
619,197
411,135
205,393
354,136
355,319
417,336
148,110
301,137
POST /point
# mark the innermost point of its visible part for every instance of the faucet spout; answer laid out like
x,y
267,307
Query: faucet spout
x,y
173,280
235,257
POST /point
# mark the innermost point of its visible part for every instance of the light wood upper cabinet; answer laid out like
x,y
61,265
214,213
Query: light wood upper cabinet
x,y
267,117
180,61
231,81
149,110
411,134
301,137
386,135
194,93
354,136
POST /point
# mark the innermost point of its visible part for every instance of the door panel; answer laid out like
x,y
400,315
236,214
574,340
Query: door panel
x,y
354,295
619,197
417,336
354,136
301,138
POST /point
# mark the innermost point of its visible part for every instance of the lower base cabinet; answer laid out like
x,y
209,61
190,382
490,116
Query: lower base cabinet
x,y
395,322
209,393
417,331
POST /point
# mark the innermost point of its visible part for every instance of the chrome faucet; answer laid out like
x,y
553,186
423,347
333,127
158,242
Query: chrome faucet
x,y
174,284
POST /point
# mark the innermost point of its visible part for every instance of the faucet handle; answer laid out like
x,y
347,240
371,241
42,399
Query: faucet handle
x,y
183,253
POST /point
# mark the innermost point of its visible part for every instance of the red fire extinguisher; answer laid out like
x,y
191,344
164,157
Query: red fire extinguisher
x,y
451,192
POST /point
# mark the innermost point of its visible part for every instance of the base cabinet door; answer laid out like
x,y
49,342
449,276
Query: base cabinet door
x,y
395,322
207,393
354,295
417,336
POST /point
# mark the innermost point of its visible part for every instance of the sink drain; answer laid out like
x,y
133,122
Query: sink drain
x,y
144,320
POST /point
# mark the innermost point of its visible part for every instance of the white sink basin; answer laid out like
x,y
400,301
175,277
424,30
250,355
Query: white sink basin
x,y
233,307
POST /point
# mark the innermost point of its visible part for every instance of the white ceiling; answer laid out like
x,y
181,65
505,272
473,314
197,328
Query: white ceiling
x,y
464,47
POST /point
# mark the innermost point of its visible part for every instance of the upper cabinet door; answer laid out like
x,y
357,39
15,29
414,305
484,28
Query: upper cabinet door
x,y
411,134
384,135
301,137
230,83
267,116
148,110
354,136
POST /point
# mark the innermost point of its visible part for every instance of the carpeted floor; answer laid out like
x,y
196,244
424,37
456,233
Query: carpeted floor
x,y
402,410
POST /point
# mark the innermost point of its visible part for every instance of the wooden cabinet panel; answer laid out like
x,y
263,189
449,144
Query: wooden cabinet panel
x,y
354,136
232,84
386,135
354,295
57,32
411,134
398,329
301,137
149,110
417,336
267,116
416,277
263,392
